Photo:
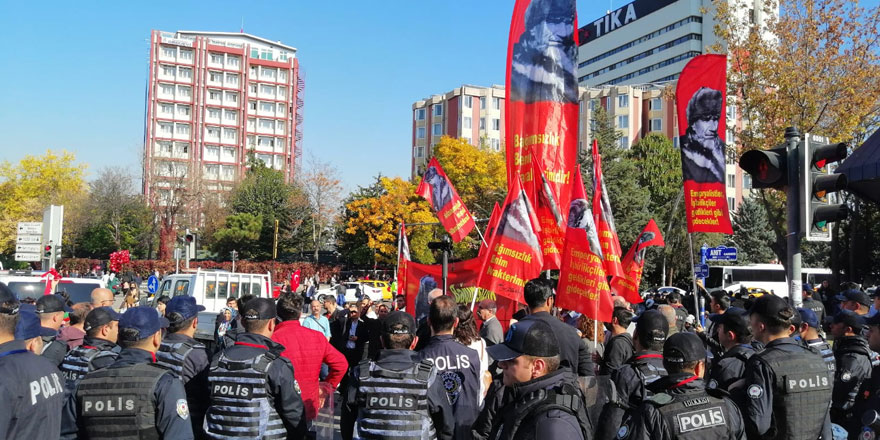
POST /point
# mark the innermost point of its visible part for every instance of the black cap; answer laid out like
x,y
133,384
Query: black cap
x,y
854,295
51,304
684,347
399,323
772,307
181,308
650,320
100,316
9,303
531,337
808,316
258,309
139,323
849,319
734,319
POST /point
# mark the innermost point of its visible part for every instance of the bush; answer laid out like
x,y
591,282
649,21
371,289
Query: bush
x,y
280,271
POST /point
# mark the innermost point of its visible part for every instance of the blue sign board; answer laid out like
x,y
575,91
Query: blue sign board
x,y
721,253
152,284
701,270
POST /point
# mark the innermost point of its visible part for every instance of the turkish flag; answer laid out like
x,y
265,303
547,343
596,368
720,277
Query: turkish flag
x,y
294,281
439,192
627,285
582,283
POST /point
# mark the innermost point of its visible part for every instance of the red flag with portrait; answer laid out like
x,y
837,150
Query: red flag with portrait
x,y
550,217
583,286
627,285
439,192
701,103
541,110
604,218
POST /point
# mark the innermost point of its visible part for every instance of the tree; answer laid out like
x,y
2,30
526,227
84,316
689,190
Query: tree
x,y
323,190
241,233
752,233
175,191
813,68
354,248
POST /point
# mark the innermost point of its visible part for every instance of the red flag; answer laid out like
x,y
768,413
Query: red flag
x,y
604,218
541,110
700,101
294,281
403,258
490,229
550,218
582,283
514,255
439,192
627,285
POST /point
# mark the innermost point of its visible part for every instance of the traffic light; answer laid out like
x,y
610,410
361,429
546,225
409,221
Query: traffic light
x,y
817,184
768,168
189,236
47,251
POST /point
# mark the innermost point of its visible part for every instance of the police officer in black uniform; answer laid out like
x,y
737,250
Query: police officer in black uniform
x,y
31,387
680,407
734,335
632,378
97,351
28,329
134,398
398,392
787,390
811,303
853,366
251,378
867,404
809,331
186,357
51,309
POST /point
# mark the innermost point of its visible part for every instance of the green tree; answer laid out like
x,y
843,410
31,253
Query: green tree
x,y
242,234
752,233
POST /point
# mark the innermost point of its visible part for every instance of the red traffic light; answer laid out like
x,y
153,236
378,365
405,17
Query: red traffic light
x,y
767,167
48,248
823,154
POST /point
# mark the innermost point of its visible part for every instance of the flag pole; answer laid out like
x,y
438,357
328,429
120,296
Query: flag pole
x,y
474,300
481,234
399,240
596,327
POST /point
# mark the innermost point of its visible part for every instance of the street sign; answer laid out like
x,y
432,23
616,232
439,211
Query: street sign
x,y
29,239
721,253
30,228
152,284
701,270
27,248
27,257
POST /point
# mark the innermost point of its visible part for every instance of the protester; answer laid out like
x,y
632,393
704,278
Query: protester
x,y
674,301
51,309
102,297
399,301
73,333
719,302
356,335
316,321
853,365
337,317
734,336
397,375
671,316
161,303
592,336
466,334
254,363
491,330
226,327
619,348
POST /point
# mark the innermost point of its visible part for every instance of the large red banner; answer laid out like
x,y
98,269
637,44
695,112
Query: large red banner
x,y
439,192
604,218
541,108
627,285
701,97
583,286
550,218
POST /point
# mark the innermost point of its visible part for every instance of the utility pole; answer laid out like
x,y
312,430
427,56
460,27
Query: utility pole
x,y
792,206
234,256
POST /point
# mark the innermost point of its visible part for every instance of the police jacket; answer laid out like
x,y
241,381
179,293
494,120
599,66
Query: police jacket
x,y
31,394
729,367
681,408
282,388
188,359
787,393
548,407
868,399
573,354
458,368
618,350
826,352
101,413
817,307
439,407
710,338
853,367
93,354
53,349
630,381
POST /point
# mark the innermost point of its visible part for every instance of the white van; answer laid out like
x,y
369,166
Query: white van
x,y
30,284
211,288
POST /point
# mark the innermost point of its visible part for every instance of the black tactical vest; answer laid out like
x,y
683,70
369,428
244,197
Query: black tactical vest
x,y
648,373
172,355
118,404
565,397
827,355
397,401
78,363
241,406
801,392
694,416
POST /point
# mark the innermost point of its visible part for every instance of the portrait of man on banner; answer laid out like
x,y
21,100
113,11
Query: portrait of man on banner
x,y
581,217
441,192
517,223
702,158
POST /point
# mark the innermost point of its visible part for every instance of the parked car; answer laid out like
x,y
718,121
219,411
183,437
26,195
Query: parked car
x,y
32,285
384,286
351,292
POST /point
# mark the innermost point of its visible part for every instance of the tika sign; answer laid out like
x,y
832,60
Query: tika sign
x,y
619,18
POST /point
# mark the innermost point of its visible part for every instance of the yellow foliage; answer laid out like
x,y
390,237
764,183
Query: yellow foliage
x,y
478,174
28,187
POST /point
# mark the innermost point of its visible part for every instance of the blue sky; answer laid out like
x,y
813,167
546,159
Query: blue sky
x,y
74,73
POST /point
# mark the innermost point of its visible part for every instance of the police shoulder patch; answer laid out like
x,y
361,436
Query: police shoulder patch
x,y
755,391
182,409
623,432
296,386
712,384
845,376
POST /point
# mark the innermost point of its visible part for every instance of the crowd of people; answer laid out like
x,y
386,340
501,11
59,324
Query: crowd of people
x,y
759,369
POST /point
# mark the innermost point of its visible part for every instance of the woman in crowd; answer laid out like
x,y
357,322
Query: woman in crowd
x,y
466,333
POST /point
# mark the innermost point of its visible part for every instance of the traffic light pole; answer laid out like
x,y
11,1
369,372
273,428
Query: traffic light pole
x,y
792,198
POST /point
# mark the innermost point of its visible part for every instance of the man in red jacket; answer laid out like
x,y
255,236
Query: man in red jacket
x,y
307,349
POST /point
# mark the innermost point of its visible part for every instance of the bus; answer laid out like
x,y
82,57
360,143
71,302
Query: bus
x,y
768,277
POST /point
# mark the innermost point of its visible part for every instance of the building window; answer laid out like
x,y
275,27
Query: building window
x,y
594,104
168,70
267,124
752,16
213,95
253,105
467,123
656,104
623,121
183,110
495,144
186,54
185,73
166,109
747,181
232,61
212,153
229,134
731,180
496,103
623,101
731,203
232,79
183,129
232,97
624,142
438,109
437,130
482,123
468,102
420,132
731,113
482,103
267,90
656,124
213,113
184,92
496,124
230,115
267,107
282,76
213,132
420,114
675,141
217,58
169,52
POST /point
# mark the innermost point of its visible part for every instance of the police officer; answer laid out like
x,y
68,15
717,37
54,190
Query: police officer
x,y
545,401
133,397
681,408
809,332
787,392
852,368
185,356
31,387
398,392
97,351
812,304
458,367
735,337
632,378
252,379
28,329
867,403
51,309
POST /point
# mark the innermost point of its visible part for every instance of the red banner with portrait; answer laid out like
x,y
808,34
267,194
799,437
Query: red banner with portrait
x,y
551,219
701,104
439,192
627,285
604,219
541,110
